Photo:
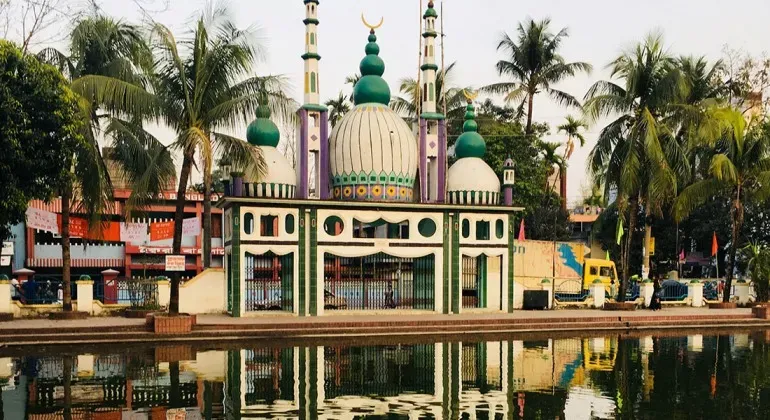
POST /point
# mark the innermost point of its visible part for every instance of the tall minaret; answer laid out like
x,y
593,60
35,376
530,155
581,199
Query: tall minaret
x,y
432,123
313,133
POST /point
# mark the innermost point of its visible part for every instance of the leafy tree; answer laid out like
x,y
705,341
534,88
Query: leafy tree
x,y
199,96
111,49
338,107
635,154
40,127
758,266
534,64
739,170
408,104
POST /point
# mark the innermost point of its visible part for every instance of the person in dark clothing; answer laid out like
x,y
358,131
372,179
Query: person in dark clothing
x,y
657,290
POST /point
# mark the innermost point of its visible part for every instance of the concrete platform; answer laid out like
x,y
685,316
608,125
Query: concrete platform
x,y
359,327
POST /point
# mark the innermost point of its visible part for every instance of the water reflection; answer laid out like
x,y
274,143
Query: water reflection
x,y
605,377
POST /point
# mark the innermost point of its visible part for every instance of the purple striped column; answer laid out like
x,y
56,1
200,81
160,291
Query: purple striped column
x,y
442,163
423,161
508,196
304,154
323,174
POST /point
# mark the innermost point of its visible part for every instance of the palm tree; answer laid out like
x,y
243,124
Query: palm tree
x,y
739,171
339,107
200,95
552,159
635,153
534,64
571,128
409,104
353,79
100,46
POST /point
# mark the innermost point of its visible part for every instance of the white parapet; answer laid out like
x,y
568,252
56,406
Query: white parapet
x,y
695,293
598,294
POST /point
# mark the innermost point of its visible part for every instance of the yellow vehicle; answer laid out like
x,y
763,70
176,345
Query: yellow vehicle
x,y
597,269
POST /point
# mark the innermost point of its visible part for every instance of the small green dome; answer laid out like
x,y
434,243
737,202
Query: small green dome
x,y
470,143
431,12
263,131
372,88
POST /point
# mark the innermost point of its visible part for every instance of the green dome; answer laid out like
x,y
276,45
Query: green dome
x,y
372,88
431,12
263,131
470,143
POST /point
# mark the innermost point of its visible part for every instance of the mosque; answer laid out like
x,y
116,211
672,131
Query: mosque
x,y
371,220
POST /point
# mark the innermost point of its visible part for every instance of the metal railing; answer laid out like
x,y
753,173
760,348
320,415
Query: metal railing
x,y
471,278
378,281
269,375
269,282
570,291
41,290
673,291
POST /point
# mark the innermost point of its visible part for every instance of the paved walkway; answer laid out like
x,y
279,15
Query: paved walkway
x,y
108,322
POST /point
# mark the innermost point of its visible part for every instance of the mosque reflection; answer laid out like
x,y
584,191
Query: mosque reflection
x,y
552,378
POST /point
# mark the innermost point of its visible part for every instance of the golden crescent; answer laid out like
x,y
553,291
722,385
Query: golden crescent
x,y
372,27
470,96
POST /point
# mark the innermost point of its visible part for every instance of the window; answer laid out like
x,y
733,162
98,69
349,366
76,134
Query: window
x,y
333,225
427,227
594,271
426,50
307,82
381,229
290,224
432,92
312,82
268,226
431,51
248,224
482,231
607,272
499,229
312,38
425,91
466,228
216,226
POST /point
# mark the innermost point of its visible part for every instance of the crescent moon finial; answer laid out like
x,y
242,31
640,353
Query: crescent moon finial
x,y
470,96
372,27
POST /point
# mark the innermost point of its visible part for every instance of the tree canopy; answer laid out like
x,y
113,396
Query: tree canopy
x,y
40,127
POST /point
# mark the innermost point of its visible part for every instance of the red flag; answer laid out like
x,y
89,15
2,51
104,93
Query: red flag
x,y
521,230
714,246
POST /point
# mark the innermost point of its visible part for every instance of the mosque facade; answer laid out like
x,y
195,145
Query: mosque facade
x,y
372,219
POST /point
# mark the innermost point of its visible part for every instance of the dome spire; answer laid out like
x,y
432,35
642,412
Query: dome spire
x,y
263,131
372,88
470,143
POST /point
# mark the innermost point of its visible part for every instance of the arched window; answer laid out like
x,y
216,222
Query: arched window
x,y
312,82
307,82
426,50
312,38
432,92
431,50
248,224
425,91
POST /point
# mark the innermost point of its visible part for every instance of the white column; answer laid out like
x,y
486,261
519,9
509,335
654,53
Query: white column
x,y
598,293
5,296
546,284
164,293
85,366
741,292
695,343
695,293
85,299
647,291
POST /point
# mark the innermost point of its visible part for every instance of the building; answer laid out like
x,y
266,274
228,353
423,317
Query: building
x,y
41,252
389,228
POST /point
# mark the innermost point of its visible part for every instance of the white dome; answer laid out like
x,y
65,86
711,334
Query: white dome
x,y
471,181
372,156
280,181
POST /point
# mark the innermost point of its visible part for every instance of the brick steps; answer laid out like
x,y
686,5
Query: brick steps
x,y
378,328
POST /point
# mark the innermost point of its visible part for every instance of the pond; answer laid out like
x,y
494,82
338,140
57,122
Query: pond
x,y
696,376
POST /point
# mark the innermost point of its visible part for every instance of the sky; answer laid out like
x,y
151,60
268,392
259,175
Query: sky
x,y
599,30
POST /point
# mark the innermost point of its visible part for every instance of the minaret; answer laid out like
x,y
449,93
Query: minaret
x,y
509,179
432,123
314,133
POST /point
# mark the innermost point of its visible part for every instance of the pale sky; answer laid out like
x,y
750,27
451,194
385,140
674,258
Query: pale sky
x,y
599,31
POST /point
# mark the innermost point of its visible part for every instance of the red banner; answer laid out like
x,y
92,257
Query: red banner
x,y
161,230
166,250
78,227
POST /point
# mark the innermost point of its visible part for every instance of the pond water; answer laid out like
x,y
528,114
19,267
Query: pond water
x,y
697,376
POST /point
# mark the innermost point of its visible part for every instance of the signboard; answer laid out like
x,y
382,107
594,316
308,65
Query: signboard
x,y
7,248
166,250
175,263
78,227
5,261
191,227
42,220
652,246
161,230
134,233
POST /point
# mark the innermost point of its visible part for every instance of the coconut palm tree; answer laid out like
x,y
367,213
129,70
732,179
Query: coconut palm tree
x,y
409,104
635,154
102,46
338,108
200,94
572,127
552,159
534,65
353,79
739,171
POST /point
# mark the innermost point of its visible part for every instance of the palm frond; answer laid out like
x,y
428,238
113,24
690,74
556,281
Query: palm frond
x,y
242,155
